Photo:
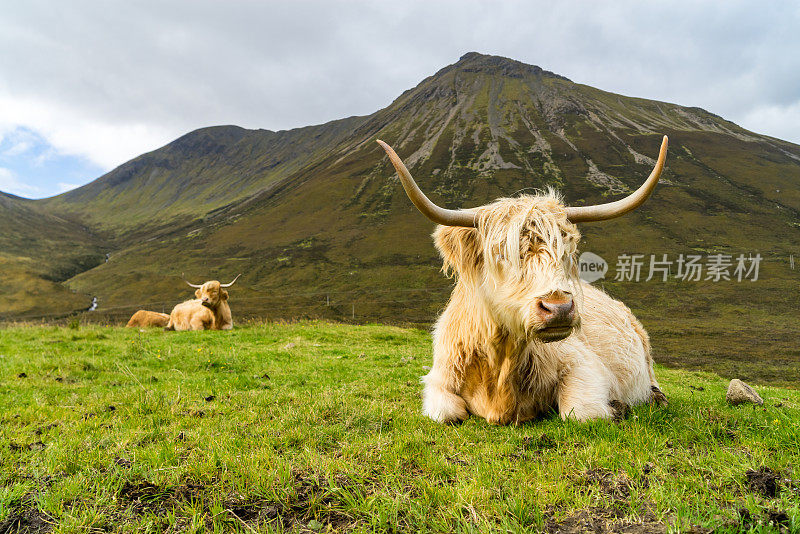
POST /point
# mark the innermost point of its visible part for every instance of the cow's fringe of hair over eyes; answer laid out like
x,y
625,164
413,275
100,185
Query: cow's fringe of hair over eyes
x,y
506,222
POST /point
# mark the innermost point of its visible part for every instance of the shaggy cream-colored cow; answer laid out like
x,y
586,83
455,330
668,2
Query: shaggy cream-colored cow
x,y
208,311
522,335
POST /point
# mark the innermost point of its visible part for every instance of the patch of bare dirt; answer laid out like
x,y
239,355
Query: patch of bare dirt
x,y
27,521
603,520
618,487
764,481
315,502
615,517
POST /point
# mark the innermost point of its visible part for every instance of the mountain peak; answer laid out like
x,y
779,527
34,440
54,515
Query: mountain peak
x,y
499,65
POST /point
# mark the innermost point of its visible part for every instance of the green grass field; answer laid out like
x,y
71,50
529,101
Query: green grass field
x,y
316,427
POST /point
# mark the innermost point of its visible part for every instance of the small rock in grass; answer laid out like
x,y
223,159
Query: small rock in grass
x,y
289,346
741,393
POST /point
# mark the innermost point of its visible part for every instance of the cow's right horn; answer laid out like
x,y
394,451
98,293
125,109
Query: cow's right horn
x,y
231,283
429,209
188,282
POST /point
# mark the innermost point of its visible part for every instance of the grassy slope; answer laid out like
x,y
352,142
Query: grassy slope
x,y
240,430
38,250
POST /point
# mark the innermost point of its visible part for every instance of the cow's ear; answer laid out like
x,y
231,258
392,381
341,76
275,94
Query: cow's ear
x,y
197,293
460,249
223,295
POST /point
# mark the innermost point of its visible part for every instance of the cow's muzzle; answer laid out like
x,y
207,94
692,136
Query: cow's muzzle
x,y
557,318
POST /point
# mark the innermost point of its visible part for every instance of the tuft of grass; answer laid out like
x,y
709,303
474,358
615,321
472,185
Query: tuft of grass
x,y
316,427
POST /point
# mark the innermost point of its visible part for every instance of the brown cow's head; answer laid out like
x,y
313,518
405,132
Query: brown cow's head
x,y
519,254
211,293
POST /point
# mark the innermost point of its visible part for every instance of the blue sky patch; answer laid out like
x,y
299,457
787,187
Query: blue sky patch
x,y
30,167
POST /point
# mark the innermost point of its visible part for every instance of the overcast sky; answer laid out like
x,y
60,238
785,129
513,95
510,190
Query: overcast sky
x,y
86,86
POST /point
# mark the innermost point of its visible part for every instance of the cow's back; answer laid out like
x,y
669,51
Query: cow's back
x,y
148,318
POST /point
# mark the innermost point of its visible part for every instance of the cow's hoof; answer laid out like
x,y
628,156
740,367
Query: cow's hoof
x,y
657,396
619,410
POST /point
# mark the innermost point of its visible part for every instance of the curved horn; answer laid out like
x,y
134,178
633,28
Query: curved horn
x,y
601,212
429,209
188,282
231,283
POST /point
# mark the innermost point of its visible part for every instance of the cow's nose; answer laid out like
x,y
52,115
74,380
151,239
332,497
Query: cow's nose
x,y
557,312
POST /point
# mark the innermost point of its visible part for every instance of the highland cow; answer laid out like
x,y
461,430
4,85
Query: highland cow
x,y
208,311
522,335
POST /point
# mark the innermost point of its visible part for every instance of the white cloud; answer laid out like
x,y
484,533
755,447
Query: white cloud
x,y
69,131
19,141
9,183
112,80
780,121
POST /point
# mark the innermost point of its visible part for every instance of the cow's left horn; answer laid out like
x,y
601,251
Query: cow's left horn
x,y
231,283
429,209
622,206
188,282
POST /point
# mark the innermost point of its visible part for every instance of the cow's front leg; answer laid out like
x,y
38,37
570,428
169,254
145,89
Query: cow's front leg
x,y
439,403
584,392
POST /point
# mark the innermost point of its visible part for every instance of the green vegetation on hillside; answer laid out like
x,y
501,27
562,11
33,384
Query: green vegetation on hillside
x,y
316,427
38,252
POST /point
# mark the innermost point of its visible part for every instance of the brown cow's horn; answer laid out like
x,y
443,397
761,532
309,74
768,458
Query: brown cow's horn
x,y
231,283
622,206
429,209
188,282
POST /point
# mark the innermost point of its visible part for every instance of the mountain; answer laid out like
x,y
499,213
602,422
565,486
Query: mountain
x,y
318,223
194,175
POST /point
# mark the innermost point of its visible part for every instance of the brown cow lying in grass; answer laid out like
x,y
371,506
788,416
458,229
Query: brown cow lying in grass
x,y
209,311
148,318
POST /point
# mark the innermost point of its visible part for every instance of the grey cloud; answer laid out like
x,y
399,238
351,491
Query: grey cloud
x,y
175,66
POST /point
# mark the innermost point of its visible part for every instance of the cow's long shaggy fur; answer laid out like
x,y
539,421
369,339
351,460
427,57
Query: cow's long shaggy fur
x,y
143,318
209,311
489,357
